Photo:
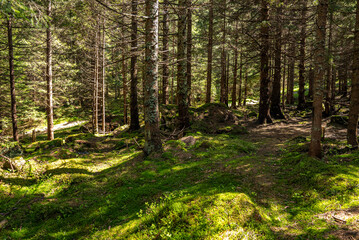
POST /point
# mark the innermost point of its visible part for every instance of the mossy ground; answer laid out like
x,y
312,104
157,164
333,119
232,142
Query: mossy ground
x,y
226,186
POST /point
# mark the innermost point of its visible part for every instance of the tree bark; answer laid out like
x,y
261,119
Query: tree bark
x,y
152,133
189,49
311,81
240,79
49,105
135,123
165,70
315,149
290,84
12,79
264,114
245,89
210,53
235,70
352,135
284,74
301,93
328,103
223,97
103,90
95,82
276,111
182,81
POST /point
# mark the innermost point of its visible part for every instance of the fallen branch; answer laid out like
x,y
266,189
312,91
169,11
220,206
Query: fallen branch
x,y
138,144
9,161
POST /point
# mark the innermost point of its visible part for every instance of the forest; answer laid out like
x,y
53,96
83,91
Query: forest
x,y
179,119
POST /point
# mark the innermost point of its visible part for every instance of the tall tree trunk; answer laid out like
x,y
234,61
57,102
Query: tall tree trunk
x,y
103,90
290,86
284,74
12,79
124,68
264,114
49,105
315,149
165,70
135,123
182,83
210,53
301,93
95,81
276,111
235,70
354,101
245,89
328,103
240,79
189,49
223,97
152,132
311,82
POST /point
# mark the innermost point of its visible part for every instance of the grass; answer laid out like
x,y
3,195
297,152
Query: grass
x,y
220,188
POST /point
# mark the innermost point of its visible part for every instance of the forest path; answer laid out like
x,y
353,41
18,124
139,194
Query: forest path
x,y
270,140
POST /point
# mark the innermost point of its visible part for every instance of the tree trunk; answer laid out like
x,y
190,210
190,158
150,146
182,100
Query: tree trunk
x,y
95,82
290,86
210,53
328,103
276,111
152,132
245,89
135,123
189,49
264,114
49,105
165,70
284,74
315,149
103,90
182,83
12,79
223,97
235,69
354,101
240,79
301,93
311,81
124,70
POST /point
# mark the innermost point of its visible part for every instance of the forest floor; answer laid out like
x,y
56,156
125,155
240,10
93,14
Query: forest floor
x,y
229,185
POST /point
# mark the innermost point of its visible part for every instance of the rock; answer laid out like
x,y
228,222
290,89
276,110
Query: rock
x,y
189,141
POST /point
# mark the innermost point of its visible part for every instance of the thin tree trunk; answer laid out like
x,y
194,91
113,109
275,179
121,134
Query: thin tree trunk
x,y
223,97
182,83
276,111
135,123
240,79
124,69
95,83
264,114
49,105
210,53
352,135
315,149
235,70
189,49
284,74
311,82
103,77
328,104
245,89
152,132
165,70
290,88
301,93
12,79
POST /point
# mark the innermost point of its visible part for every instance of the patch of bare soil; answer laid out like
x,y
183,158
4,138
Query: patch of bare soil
x,y
341,218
